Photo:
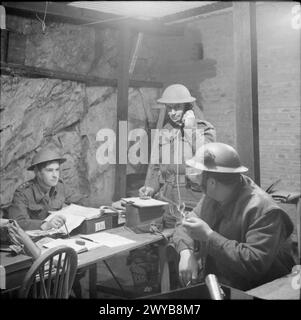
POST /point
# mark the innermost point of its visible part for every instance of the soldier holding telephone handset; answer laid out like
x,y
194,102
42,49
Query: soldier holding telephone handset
x,y
167,181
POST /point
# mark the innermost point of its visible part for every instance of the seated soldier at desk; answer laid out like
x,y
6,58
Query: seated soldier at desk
x,y
243,235
33,200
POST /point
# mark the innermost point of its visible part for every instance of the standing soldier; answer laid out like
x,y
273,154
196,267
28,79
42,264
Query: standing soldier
x,y
167,182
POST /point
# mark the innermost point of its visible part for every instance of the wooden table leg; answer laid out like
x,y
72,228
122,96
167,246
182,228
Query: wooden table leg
x,y
164,269
92,281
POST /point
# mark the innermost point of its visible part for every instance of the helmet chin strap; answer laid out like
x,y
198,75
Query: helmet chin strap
x,y
177,125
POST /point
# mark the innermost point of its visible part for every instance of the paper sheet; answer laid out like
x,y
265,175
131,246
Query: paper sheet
x,y
72,221
108,239
76,210
144,202
42,233
88,245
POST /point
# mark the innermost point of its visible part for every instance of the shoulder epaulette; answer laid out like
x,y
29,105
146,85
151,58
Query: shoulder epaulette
x,y
25,184
205,123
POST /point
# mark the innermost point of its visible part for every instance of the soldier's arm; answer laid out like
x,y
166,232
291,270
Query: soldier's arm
x,y
181,238
152,177
19,211
204,132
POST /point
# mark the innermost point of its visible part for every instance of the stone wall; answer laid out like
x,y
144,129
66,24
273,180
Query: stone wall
x,y
36,112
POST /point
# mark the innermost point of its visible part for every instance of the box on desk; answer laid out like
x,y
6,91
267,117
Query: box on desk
x,y
105,222
141,213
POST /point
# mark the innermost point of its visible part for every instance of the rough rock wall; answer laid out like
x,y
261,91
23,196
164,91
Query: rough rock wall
x,y
79,49
36,112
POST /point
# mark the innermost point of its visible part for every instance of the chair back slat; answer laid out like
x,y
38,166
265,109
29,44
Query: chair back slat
x,y
43,292
34,294
57,275
62,279
51,275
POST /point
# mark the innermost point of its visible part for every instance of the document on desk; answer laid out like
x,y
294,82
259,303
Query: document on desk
x,y
86,246
87,212
143,203
108,239
74,215
72,221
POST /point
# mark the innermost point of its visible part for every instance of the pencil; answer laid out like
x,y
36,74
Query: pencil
x,y
67,230
188,283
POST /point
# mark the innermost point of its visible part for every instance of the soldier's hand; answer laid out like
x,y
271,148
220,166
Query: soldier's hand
x,y
188,267
197,228
56,222
146,191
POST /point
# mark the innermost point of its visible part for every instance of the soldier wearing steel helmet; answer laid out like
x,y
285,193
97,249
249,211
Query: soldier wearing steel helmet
x,y
33,200
243,235
166,181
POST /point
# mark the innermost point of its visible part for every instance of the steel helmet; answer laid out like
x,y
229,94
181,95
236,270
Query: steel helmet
x,y
217,157
45,155
176,93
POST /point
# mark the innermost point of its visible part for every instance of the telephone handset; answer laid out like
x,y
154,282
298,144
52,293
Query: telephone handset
x,y
188,119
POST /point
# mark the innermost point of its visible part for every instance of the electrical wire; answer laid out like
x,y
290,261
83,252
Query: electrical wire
x,y
43,21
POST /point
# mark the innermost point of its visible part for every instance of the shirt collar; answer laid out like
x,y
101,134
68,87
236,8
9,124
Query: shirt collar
x,y
39,194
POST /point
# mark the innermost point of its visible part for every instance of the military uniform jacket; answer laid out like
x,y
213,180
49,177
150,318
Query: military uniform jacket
x,y
164,177
249,245
30,206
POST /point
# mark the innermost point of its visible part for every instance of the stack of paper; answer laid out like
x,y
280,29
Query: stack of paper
x,y
87,212
74,215
42,233
71,222
139,202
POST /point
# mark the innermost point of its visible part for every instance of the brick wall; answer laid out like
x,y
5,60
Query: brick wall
x,y
278,86
279,95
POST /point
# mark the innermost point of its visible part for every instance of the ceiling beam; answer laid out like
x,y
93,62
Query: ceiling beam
x,y
194,12
35,72
61,12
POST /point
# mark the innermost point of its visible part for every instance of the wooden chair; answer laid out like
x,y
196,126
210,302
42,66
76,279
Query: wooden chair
x,y
51,276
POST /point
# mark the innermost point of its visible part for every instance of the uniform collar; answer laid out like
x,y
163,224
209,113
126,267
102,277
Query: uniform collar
x,y
39,194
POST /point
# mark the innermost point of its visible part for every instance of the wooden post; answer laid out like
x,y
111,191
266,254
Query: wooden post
x,y
245,59
122,113
4,44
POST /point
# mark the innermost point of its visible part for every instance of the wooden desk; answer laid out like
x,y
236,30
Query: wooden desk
x,y
279,289
88,260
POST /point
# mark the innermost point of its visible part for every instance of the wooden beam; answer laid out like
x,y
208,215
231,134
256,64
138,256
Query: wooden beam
x,y
122,113
55,10
34,72
254,88
4,44
245,57
194,12
63,13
